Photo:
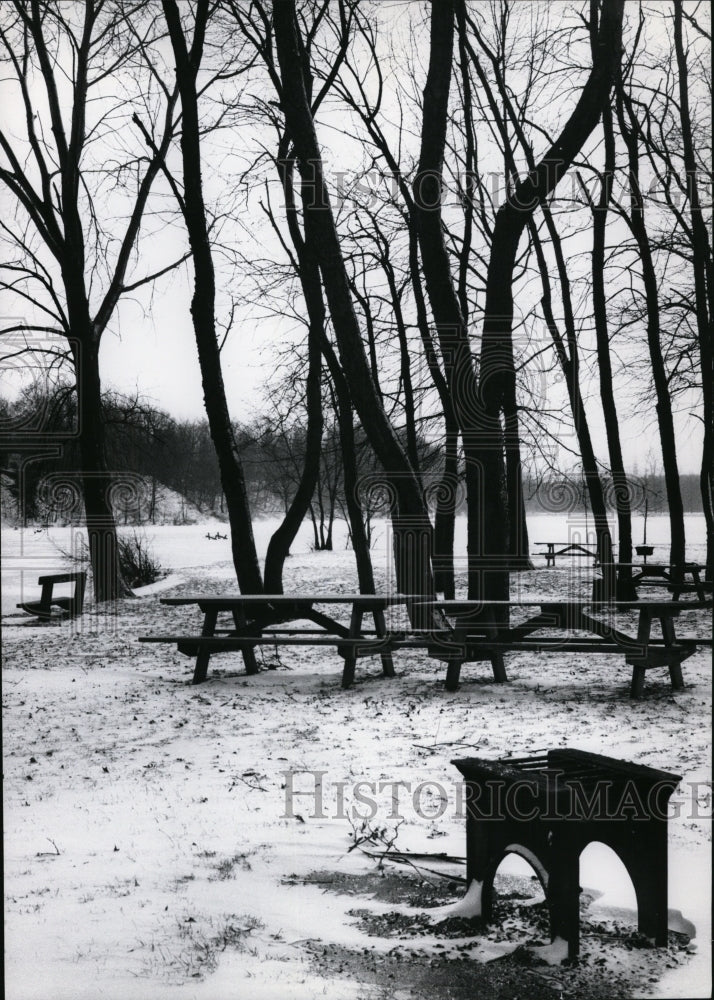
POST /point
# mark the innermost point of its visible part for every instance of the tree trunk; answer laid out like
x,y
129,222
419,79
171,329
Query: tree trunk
x,y
309,274
445,516
481,482
284,535
109,583
414,525
624,589
569,363
245,557
448,488
358,532
518,547
636,222
412,445
703,288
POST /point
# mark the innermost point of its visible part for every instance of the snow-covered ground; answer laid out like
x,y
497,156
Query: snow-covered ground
x,y
152,850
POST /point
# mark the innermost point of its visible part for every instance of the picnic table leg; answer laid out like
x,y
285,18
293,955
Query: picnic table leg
x,y
643,637
453,672
381,628
348,672
497,665
251,663
637,684
499,668
675,664
200,671
698,584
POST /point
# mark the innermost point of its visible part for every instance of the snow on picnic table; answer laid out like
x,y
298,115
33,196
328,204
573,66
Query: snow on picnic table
x,y
148,847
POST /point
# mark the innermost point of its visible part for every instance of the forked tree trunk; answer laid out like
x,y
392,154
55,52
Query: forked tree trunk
x,y
479,413
309,274
568,356
284,535
497,376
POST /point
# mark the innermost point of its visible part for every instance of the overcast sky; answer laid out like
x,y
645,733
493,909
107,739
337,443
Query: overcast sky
x,y
151,347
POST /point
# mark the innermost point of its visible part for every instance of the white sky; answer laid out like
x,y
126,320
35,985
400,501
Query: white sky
x,y
151,346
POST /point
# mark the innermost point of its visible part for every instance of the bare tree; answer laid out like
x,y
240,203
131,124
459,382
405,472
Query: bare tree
x,y
69,264
701,257
631,131
566,347
203,305
309,275
622,492
414,531
479,401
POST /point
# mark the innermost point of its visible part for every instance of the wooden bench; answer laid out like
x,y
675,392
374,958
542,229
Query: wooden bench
x,y
69,606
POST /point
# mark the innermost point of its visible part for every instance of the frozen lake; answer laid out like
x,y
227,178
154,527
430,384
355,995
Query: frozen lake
x,y
27,553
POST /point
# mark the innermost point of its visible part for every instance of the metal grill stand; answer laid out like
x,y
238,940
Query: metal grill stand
x,y
548,809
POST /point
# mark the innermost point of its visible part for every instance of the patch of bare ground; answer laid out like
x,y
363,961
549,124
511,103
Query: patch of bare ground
x,y
468,958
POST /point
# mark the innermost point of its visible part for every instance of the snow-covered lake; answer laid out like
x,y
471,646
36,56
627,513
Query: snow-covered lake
x,y
28,552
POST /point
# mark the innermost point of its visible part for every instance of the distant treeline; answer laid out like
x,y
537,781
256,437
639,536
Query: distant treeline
x,y
567,493
148,449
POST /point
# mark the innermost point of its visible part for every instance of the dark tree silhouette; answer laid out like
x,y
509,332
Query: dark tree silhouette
x,y
64,243
203,305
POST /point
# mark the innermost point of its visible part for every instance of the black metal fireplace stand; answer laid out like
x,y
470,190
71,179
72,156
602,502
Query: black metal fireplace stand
x,y
548,808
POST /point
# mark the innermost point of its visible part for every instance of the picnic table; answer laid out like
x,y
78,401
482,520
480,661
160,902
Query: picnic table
x,y
567,549
260,619
685,579
477,631
475,635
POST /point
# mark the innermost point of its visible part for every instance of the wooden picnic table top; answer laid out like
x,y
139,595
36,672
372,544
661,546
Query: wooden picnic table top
x,y
665,605
229,601
657,566
570,544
